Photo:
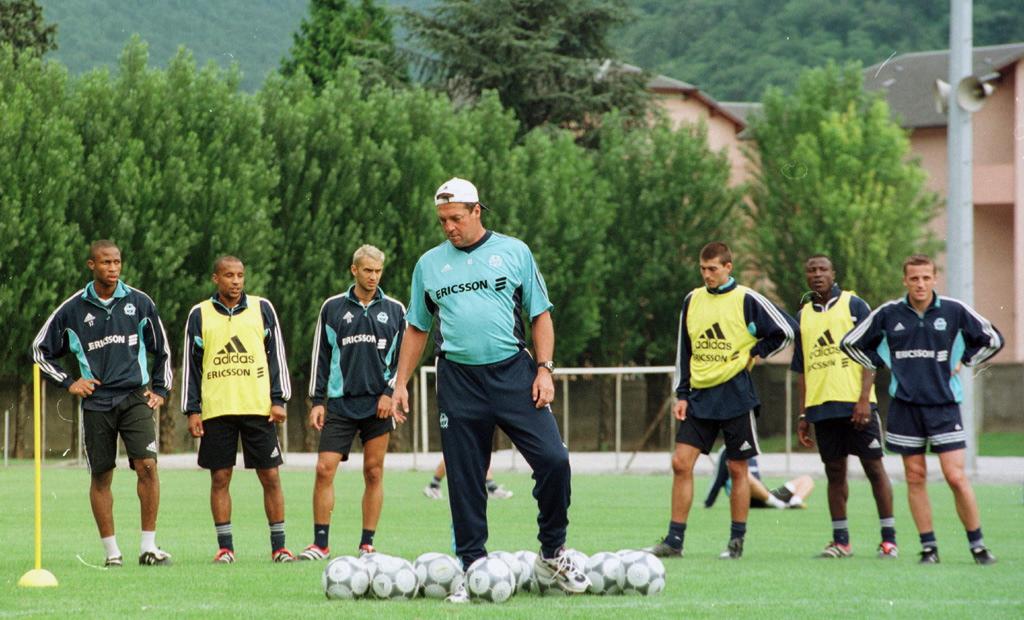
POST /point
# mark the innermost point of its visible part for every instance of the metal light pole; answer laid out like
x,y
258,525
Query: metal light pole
x,y
960,200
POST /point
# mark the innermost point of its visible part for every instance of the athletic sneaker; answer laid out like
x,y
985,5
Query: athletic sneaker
x,y
499,492
224,556
314,553
116,562
561,570
662,549
983,556
366,550
282,555
782,494
837,551
733,551
433,493
157,557
929,555
888,550
460,595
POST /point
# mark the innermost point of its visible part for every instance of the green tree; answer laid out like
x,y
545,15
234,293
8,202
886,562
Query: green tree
x,y
339,32
176,171
835,177
41,259
22,27
544,59
673,196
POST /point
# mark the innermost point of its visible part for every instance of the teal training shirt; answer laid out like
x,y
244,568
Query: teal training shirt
x,y
478,294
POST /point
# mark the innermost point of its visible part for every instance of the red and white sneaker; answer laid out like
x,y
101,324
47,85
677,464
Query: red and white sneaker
x,y
366,550
224,556
314,553
888,551
282,555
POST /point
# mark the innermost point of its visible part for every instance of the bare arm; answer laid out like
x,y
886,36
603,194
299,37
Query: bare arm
x,y
544,347
413,343
803,427
862,410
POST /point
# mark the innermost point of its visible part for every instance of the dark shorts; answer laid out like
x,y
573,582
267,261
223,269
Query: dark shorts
x,y
740,435
133,419
838,438
910,428
339,431
218,448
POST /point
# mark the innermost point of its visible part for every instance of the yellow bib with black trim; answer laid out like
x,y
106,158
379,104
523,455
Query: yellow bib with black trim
x,y
236,377
829,374
720,342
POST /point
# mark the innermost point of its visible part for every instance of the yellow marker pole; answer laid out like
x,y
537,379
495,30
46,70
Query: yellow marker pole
x,y
38,577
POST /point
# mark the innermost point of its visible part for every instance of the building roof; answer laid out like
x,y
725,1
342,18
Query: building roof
x,y
744,110
908,80
662,84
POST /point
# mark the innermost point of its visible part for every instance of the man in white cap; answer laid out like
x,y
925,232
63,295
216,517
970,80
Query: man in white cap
x,y
477,284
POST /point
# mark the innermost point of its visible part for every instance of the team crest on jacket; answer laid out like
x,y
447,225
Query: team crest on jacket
x,y
940,324
129,309
382,317
348,317
494,261
90,319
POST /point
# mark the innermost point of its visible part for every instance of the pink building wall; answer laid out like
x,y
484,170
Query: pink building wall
x,y
998,207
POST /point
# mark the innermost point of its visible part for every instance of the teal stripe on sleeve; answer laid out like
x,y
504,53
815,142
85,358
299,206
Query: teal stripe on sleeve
x,y
83,363
143,364
336,382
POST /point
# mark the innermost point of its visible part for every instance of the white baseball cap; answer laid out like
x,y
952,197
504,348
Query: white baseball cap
x,y
457,190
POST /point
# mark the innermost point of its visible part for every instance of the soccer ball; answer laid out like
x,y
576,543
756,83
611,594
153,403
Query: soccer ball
x,y
393,578
490,579
546,587
606,572
645,574
527,578
345,577
439,574
513,562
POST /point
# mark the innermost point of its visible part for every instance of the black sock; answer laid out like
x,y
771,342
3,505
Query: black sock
x,y
840,531
676,532
435,483
490,485
224,539
321,534
277,536
738,530
974,538
367,538
888,525
928,540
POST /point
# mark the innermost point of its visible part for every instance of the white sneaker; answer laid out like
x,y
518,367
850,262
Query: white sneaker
x,y
156,557
433,492
499,492
562,571
459,596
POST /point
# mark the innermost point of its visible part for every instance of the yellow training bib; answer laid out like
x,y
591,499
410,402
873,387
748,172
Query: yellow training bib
x,y
829,374
720,341
236,377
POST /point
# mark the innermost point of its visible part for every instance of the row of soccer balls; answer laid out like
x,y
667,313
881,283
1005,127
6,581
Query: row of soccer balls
x,y
495,578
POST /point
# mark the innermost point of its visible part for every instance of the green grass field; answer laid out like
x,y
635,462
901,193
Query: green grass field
x,y
776,577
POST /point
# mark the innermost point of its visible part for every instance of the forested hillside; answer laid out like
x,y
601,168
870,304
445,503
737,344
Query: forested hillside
x,y
732,49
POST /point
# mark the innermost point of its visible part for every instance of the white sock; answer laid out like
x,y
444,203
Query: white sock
x,y
791,487
775,502
110,544
796,500
148,542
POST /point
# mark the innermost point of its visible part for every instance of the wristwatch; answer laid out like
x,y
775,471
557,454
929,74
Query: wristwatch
x,y
549,365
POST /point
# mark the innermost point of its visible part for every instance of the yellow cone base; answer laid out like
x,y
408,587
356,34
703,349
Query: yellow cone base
x,y
38,578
